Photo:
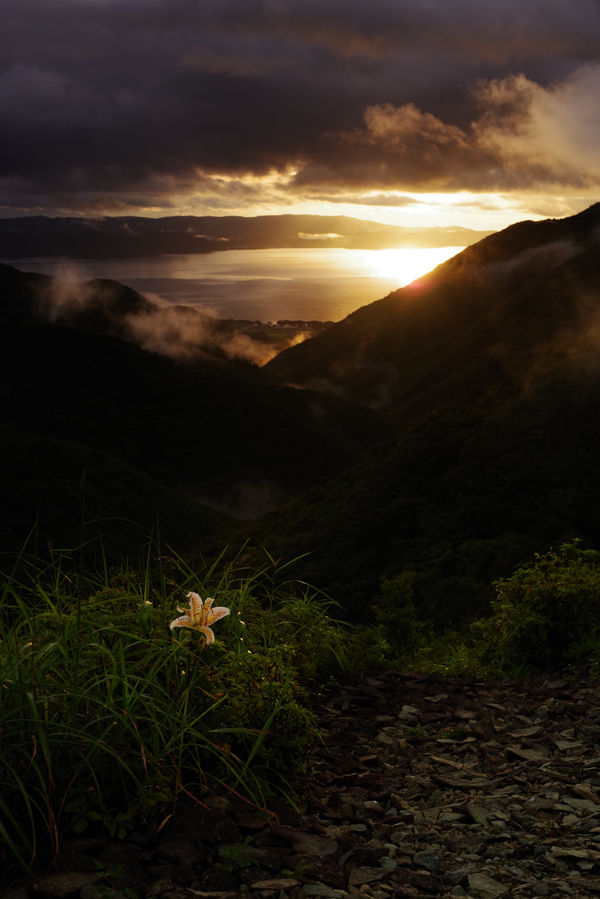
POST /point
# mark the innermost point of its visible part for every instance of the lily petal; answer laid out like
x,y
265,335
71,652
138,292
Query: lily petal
x,y
184,621
210,637
216,614
196,611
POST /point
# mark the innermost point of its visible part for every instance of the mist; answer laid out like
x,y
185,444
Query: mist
x,y
180,332
247,500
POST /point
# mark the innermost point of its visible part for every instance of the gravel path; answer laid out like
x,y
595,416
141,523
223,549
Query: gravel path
x,y
422,786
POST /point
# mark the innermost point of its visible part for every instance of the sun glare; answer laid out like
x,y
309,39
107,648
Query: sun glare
x,y
406,265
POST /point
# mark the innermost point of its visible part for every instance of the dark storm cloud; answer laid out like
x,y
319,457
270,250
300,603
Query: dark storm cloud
x,y
499,30
123,104
522,135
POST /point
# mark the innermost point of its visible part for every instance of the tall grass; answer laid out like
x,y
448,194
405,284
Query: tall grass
x,y
107,716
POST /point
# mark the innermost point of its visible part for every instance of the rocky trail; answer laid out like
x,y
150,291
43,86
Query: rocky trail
x,y
422,786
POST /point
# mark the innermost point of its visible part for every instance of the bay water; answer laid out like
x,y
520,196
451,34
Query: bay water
x,y
322,284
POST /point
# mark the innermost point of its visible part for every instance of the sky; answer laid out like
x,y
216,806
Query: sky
x,y
435,113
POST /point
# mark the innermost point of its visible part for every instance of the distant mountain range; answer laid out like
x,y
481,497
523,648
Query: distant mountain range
x,y
137,236
451,429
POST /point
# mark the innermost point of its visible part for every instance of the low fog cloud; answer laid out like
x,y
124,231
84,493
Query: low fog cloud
x,y
181,333
247,500
571,351
178,331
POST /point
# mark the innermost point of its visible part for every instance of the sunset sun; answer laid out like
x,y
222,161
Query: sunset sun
x,y
407,264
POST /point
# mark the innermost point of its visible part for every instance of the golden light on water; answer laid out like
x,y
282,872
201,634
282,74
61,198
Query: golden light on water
x,y
406,265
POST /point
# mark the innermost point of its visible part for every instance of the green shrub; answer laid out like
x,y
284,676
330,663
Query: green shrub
x,y
546,614
266,720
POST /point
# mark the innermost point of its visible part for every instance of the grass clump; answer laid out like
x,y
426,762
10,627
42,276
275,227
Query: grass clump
x,y
107,715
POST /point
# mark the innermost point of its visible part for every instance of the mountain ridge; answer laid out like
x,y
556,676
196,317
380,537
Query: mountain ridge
x,y
141,236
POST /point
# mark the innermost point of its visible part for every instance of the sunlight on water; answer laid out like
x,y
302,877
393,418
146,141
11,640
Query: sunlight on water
x,y
405,264
267,285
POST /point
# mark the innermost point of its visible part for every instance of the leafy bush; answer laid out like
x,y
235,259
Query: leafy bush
x,y
546,614
266,718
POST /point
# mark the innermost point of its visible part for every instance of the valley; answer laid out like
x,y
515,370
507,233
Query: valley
x,y
449,429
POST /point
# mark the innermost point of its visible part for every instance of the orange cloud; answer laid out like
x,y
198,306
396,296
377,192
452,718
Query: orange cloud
x,y
522,135
550,133
404,125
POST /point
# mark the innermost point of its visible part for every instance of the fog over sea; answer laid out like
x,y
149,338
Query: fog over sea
x,y
324,284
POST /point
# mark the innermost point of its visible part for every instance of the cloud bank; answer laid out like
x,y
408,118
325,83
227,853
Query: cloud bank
x,y
167,105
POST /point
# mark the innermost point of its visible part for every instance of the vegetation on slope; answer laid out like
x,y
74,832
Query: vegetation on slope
x,y
489,370
460,499
65,492
215,431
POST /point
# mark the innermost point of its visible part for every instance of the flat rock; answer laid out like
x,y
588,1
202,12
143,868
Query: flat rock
x,y
307,843
360,876
428,860
63,884
486,887
275,883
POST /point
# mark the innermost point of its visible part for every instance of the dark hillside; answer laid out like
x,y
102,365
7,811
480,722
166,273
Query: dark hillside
x,y
68,493
490,368
461,499
217,432
460,328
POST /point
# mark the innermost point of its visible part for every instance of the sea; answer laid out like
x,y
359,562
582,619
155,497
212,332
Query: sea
x,y
317,284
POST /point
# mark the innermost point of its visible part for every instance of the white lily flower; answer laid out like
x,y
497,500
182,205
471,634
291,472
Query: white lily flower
x,y
200,616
